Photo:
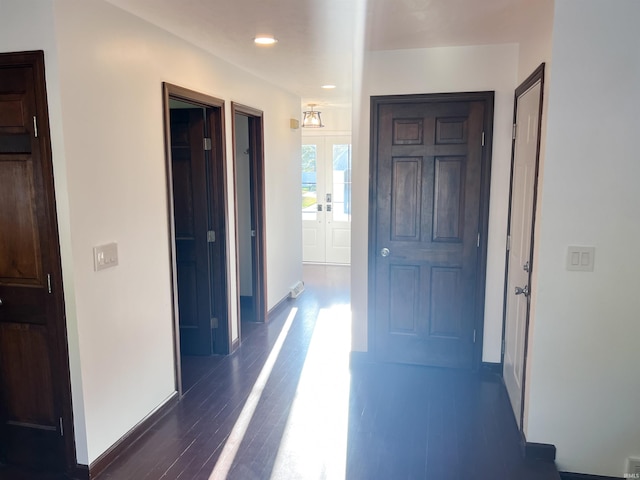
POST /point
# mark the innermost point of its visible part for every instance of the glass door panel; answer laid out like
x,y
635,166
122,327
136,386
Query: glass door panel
x,y
326,199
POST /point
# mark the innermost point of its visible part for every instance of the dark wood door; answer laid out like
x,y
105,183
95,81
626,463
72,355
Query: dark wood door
x,y
425,242
190,203
34,376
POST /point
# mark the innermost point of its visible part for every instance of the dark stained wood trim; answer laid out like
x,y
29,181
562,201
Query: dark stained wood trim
x,y
235,345
358,359
259,248
214,108
191,96
492,367
278,307
129,438
488,99
80,472
51,252
172,237
219,220
584,476
540,451
536,76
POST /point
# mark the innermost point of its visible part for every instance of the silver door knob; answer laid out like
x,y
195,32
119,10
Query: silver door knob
x,y
385,252
523,291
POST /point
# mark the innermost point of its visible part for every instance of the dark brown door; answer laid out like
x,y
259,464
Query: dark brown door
x,y
34,376
190,203
425,245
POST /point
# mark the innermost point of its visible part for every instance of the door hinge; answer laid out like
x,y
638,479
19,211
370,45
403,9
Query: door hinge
x,y
35,126
49,282
483,139
474,335
214,322
502,348
478,241
253,233
508,243
207,143
61,428
513,132
211,236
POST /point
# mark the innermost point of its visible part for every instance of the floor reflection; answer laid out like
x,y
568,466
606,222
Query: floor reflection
x,y
228,455
314,442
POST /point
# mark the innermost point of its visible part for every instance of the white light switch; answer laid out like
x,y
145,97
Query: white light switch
x,y
105,256
580,258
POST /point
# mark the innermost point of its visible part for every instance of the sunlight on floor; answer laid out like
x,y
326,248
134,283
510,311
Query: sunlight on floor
x,y
236,436
314,442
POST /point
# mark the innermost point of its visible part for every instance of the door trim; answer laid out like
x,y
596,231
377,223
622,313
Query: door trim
x,y
257,180
483,220
214,108
536,76
60,347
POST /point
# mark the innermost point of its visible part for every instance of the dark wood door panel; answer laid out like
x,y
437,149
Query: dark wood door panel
x,y
24,370
34,374
448,199
426,211
190,199
20,240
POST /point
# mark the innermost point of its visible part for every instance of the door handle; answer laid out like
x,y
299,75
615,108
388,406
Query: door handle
x,y
385,252
523,291
319,207
526,267
0,302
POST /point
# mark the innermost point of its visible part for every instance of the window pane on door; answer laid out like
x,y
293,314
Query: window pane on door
x,y
309,182
341,183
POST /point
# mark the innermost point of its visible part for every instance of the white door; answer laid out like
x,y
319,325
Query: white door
x,y
326,199
523,184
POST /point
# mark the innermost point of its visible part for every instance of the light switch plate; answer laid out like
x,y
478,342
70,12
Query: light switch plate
x,y
105,256
580,259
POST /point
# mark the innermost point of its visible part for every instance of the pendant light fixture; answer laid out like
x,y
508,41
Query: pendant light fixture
x,y
311,118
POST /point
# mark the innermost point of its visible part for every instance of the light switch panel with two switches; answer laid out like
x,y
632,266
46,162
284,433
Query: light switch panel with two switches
x,y
580,259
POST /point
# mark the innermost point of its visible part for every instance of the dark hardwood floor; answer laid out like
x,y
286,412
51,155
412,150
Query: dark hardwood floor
x,y
286,405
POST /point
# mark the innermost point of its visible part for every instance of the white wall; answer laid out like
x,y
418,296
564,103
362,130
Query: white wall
x,y
105,70
585,386
437,70
335,118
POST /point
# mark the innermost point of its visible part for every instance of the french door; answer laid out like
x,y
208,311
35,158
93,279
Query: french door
x,y
326,199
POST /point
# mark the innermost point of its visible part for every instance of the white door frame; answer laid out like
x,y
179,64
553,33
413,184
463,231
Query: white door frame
x,y
326,238
520,238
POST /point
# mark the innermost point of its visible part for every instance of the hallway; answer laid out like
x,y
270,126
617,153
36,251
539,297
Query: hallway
x,y
287,406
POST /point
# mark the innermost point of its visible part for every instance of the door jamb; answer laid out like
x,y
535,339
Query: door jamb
x,y
214,108
537,75
256,159
483,220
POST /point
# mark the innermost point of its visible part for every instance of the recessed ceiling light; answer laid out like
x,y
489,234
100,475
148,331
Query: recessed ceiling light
x,y
265,40
328,86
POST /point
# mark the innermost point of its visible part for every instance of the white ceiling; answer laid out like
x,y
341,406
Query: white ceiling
x,y
317,39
